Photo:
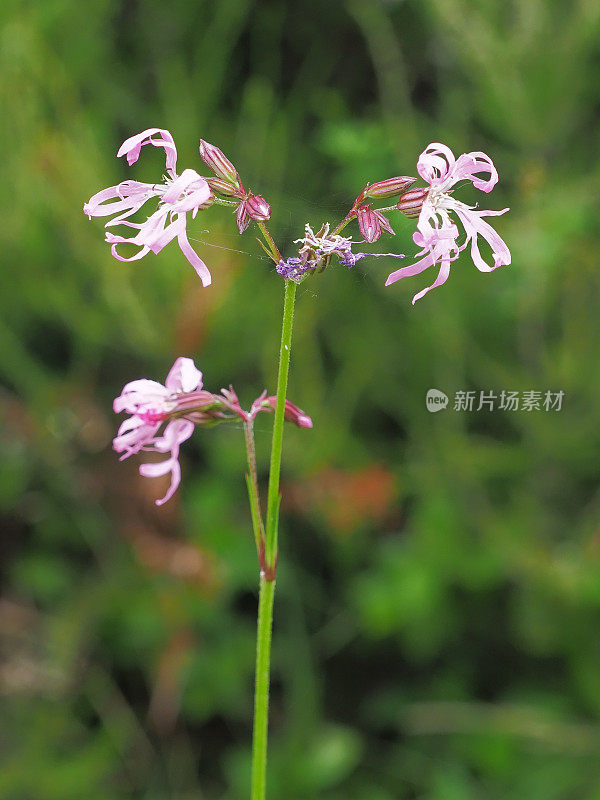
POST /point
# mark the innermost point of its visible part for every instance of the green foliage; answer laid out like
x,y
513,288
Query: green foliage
x,y
438,598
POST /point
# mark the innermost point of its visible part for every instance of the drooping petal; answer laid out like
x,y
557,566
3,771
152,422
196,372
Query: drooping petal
x,y
175,433
441,278
194,259
130,194
151,236
114,241
134,435
475,226
131,147
435,163
412,269
439,247
157,238
157,470
184,376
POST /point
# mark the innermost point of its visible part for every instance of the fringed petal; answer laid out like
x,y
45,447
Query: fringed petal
x,y
194,259
435,163
471,164
131,147
441,278
184,376
475,226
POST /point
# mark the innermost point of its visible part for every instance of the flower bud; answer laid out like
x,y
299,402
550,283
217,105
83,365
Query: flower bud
x,y
411,202
387,188
371,223
218,162
224,187
241,216
292,413
257,207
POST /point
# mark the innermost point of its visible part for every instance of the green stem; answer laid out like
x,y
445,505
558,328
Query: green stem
x,y
348,218
277,441
275,254
269,561
261,688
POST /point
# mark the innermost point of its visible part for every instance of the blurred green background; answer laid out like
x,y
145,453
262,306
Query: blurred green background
x,y
437,627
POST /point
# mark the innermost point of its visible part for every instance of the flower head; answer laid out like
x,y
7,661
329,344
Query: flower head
x,y
178,194
181,404
436,233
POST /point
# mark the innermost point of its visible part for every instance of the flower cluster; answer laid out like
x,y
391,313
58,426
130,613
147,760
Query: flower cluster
x,y
178,195
317,250
180,405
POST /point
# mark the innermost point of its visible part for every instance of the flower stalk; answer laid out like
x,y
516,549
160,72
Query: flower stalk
x,y
267,574
277,441
261,688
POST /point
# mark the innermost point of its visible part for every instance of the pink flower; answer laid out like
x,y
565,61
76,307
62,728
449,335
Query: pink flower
x,y
150,404
178,195
182,404
436,233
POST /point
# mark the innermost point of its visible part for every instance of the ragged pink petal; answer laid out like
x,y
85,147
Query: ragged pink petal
x,y
435,163
176,432
475,226
194,259
157,470
438,247
471,164
131,147
180,403
140,394
134,435
184,376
